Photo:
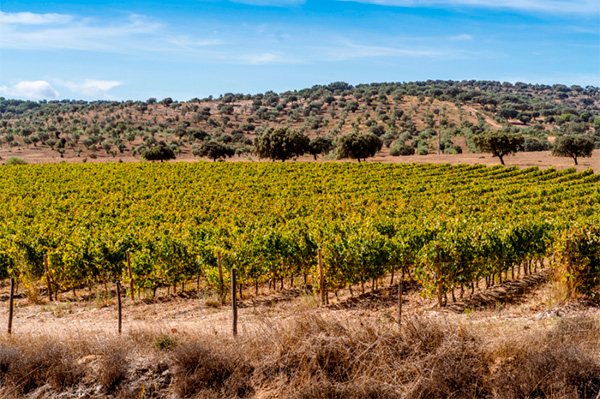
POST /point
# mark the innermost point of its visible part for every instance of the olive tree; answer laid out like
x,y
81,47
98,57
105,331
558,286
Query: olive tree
x,y
215,150
574,146
358,146
280,143
158,153
320,145
499,144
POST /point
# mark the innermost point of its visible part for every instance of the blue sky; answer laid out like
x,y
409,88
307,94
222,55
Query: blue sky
x,y
121,50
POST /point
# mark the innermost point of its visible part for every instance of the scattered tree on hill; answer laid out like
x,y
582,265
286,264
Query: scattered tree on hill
x,y
280,143
358,145
401,149
499,144
320,145
216,150
574,146
158,153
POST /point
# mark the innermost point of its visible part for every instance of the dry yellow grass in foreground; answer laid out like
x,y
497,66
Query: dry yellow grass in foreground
x,y
315,355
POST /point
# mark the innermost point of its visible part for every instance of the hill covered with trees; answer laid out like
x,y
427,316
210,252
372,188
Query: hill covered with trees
x,y
406,117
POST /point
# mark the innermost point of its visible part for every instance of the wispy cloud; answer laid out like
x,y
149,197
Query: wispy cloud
x,y
462,37
90,87
582,7
29,18
79,34
30,90
350,50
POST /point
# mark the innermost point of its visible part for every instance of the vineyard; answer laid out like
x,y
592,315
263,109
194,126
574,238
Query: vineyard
x,y
447,226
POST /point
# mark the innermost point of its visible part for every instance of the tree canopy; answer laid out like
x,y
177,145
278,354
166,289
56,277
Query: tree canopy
x,y
499,144
281,143
158,153
399,148
358,146
574,146
320,145
216,150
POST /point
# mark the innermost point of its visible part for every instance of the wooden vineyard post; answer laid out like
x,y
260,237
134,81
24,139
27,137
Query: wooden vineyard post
x,y
119,305
400,288
321,278
47,273
11,304
130,275
234,300
221,284
439,277
568,250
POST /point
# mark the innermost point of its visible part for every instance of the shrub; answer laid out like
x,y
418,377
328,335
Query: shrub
x,y
164,342
158,153
532,144
401,149
15,161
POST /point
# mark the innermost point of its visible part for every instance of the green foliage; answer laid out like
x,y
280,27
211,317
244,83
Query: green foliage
x,y
320,145
573,146
15,161
500,144
532,144
358,146
164,342
401,149
280,143
576,259
216,150
268,219
158,153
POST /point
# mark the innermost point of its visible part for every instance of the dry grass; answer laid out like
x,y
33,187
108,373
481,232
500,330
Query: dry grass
x,y
316,356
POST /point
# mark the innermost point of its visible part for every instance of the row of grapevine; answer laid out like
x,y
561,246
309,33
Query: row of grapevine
x,y
448,226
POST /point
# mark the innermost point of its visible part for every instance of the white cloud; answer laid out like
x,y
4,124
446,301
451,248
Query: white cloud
x,y
29,18
31,90
81,34
462,37
91,87
590,7
350,50
259,59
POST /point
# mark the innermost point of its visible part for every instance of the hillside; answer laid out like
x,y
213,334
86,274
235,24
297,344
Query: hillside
x,y
410,112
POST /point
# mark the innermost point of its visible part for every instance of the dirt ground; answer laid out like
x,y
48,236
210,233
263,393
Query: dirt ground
x,y
520,300
542,159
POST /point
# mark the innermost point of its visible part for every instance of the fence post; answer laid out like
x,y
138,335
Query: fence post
x,y
221,283
569,268
322,278
11,304
119,304
130,275
439,277
47,272
234,300
400,288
